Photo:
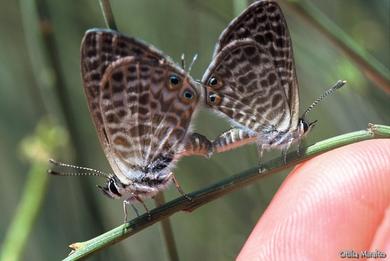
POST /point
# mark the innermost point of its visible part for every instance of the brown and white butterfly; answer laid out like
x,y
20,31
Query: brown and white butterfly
x,y
252,81
142,105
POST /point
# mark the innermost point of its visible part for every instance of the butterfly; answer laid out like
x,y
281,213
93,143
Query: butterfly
x,y
142,105
252,82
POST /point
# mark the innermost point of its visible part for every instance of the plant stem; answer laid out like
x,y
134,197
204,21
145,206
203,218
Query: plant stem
x,y
26,213
107,14
53,61
219,189
167,230
371,67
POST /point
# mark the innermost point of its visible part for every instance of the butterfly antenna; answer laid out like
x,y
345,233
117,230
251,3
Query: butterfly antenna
x,y
336,86
192,63
183,62
90,172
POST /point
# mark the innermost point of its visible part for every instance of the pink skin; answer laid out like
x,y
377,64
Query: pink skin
x,y
338,201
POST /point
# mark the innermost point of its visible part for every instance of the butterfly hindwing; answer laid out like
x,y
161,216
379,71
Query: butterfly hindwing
x,y
247,88
264,23
147,110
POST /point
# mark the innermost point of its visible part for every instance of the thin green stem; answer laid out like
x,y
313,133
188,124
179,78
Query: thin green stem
x,y
26,213
167,231
35,58
219,189
371,67
107,14
46,139
53,61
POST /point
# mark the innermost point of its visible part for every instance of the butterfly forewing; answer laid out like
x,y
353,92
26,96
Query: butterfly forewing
x,y
146,109
263,22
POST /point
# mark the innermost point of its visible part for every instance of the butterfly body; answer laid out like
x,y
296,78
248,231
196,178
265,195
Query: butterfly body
x,y
278,139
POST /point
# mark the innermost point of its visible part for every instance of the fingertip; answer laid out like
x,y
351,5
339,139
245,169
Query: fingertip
x,y
333,202
381,241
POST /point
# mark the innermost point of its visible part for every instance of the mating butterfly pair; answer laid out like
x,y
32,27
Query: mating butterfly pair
x,y
142,103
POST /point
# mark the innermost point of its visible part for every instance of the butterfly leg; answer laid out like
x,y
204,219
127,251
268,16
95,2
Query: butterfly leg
x,y
125,203
177,185
284,155
299,142
299,147
143,204
128,202
134,209
285,150
260,153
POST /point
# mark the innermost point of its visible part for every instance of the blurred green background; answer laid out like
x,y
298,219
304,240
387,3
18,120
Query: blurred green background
x,y
72,209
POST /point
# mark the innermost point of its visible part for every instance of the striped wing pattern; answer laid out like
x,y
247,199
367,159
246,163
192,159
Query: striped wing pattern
x,y
269,83
140,101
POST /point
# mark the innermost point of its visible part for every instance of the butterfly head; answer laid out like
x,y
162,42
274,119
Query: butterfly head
x,y
112,188
141,180
305,127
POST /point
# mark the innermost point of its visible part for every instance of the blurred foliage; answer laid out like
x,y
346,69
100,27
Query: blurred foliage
x,y
217,230
48,139
36,148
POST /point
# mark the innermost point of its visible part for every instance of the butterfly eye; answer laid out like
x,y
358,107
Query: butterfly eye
x,y
305,126
214,83
112,187
214,98
174,82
